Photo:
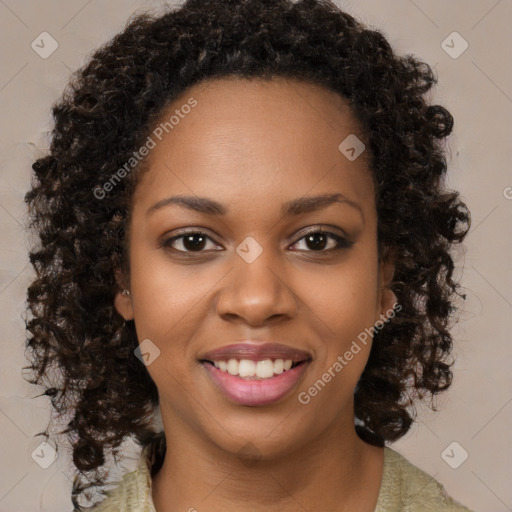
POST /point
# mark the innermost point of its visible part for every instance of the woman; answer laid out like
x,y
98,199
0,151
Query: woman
x,y
244,229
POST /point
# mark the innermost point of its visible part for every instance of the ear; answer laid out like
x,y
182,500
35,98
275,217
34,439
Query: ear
x,y
386,298
123,303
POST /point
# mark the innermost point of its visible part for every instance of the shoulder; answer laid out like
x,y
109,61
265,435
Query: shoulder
x,y
404,488
407,488
133,493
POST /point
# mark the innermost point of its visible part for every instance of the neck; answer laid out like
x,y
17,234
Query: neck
x,y
337,471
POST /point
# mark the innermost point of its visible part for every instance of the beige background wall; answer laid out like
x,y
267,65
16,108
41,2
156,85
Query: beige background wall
x,y
476,86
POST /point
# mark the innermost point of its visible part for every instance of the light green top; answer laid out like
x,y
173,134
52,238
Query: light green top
x,y
404,488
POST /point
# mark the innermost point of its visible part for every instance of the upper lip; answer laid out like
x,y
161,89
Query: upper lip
x,y
256,352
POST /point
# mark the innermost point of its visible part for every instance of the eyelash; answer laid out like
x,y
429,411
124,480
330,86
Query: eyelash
x,y
342,243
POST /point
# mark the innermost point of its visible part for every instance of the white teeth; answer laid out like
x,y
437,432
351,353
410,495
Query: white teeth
x,y
278,366
247,368
233,367
265,369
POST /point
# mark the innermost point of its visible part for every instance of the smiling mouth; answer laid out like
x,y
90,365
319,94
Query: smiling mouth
x,y
248,369
252,373
245,385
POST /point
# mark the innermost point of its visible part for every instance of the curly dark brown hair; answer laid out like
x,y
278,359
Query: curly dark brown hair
x,y
80,351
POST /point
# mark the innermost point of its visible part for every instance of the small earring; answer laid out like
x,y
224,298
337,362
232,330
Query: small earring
x,y
125,292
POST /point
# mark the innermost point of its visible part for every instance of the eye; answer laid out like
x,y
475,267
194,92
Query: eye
x,y
319,239
193,241
316,240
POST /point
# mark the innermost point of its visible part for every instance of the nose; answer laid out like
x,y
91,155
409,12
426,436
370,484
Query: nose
x,y
258,292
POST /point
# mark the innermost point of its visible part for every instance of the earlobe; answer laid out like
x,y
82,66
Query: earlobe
x,y
123,299
123,305
388,300
388,303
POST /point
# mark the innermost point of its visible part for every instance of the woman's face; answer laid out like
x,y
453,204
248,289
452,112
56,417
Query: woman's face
x,y
233,268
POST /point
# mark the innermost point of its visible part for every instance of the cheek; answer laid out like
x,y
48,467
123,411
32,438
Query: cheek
x,y
171,304
346,338
163,292
167,305
343,302
346,299
346,306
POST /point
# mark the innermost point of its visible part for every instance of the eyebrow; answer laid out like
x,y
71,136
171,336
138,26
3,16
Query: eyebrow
x,y
291,208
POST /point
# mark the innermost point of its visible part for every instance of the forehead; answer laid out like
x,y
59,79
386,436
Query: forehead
x,y
256,140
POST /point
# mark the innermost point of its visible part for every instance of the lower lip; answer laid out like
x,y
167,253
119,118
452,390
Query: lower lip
x,y
256,392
